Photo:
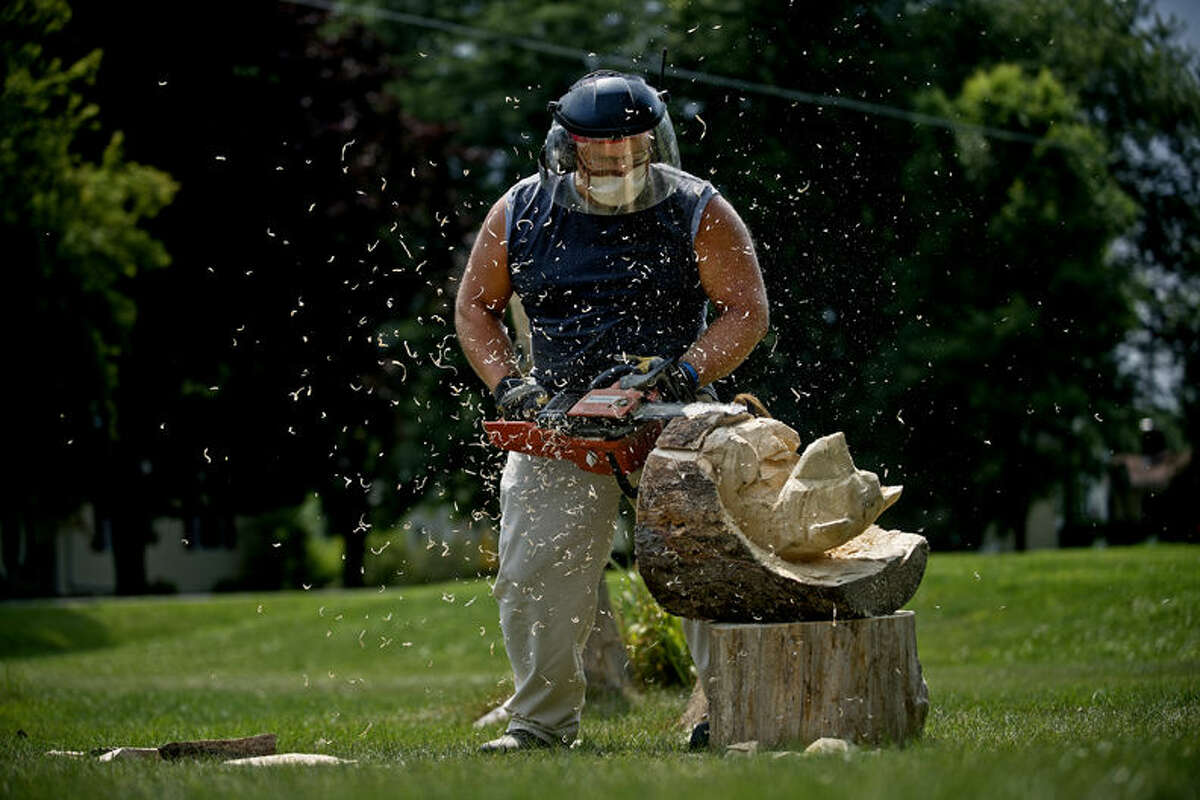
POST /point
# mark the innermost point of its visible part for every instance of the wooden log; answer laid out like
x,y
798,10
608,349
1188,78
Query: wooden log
x,y
261,745
791,684
698,563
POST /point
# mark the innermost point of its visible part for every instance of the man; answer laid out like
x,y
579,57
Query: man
x,y
615,253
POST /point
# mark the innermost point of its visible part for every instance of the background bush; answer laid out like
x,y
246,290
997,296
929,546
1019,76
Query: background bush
x,y
658,652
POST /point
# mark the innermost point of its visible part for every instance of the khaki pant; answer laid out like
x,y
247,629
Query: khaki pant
x,y
556,530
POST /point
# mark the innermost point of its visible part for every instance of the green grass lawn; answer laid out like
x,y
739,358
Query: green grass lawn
x,y
1054,674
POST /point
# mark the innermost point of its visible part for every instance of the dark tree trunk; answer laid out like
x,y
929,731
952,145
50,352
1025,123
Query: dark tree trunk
x,y
343,511
1020,529
1070,502
28,552
130,535
352,570
10,546
125,504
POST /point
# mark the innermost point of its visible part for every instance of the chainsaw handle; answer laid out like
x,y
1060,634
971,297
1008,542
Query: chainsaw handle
x,y
628,488
610,376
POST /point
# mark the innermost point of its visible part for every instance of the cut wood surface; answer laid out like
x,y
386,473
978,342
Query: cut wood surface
x,y
131,754
858,680
698,563
796,503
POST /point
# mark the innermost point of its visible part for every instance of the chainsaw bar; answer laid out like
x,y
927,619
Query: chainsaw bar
x,y
654,411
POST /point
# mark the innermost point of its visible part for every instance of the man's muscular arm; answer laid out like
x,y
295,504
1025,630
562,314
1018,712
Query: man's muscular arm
x,y
730,276
482,298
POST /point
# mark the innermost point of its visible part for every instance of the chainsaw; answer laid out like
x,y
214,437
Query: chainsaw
x,y
607,431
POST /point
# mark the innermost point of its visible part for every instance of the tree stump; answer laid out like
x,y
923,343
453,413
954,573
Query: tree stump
x,y
793,683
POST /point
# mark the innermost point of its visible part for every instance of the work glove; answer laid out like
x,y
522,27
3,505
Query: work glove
x,y
676,381
519,398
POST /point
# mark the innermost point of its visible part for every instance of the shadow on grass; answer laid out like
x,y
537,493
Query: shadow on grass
x,y
32,632
602,704
610,703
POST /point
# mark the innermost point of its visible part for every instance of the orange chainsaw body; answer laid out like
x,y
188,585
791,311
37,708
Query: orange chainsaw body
x,y
592,453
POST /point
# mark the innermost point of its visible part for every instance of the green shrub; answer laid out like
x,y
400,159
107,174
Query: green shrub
x,y
429,546
280,551
658,652
325,555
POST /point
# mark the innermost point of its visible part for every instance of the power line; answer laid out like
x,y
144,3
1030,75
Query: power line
x,y
593,60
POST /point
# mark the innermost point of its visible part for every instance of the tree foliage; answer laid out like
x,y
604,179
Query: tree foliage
x,y
1009,307
952,298
75,243
962,303
301,343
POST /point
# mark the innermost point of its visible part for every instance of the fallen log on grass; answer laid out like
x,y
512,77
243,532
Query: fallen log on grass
x,y
245,747
261,745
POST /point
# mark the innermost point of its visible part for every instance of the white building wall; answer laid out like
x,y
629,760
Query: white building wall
x,y
82,570
194,570
1043,523
79,568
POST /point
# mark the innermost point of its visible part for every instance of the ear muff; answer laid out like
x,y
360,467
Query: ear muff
x,y
558,153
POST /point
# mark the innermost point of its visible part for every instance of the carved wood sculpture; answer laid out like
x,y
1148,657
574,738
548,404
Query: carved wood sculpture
x,y
734,525
780,549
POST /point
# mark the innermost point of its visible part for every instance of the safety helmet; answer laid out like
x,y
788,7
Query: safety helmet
x,y
611,147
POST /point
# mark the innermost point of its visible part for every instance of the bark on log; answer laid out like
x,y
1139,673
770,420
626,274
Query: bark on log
x,y
697,562
857,679
261,745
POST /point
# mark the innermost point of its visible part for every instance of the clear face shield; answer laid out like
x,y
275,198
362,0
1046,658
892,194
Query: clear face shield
x,y
610,176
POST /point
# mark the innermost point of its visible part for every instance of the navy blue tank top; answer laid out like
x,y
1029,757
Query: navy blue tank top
x,y
597,287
